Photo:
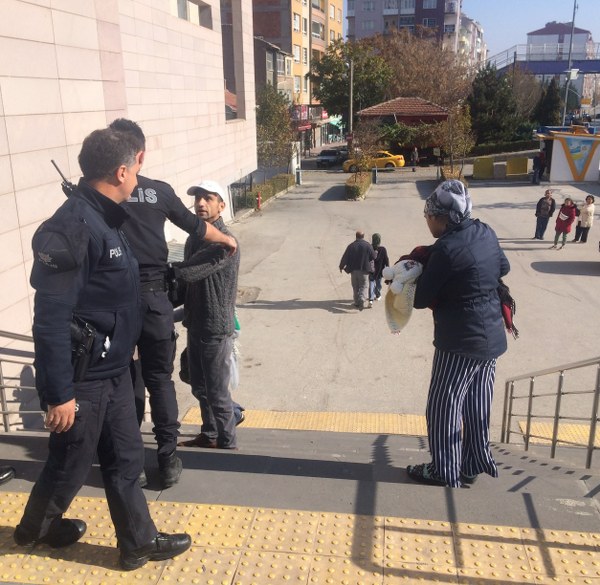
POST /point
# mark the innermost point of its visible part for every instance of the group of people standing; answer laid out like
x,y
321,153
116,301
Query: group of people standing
x,y
568,214
101,289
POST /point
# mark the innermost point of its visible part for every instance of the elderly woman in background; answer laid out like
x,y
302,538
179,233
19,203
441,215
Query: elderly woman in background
x,y
459,282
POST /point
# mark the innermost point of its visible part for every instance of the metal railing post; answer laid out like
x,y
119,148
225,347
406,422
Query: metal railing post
x,y
510,410
593,422
3,403
561,381
529,409
505,413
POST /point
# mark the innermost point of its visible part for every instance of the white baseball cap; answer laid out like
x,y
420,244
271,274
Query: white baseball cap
x,y
209,187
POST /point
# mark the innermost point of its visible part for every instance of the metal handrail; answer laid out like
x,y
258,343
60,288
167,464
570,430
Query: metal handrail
x,y
510,397
4,411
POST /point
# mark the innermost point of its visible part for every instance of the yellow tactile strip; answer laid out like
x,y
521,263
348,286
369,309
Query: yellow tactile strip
x,y
568,433
339,422
257,546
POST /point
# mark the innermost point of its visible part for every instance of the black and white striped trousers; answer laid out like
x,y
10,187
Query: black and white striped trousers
x,y
460,399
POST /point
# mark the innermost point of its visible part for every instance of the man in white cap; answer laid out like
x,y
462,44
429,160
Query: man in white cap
x,y
209,276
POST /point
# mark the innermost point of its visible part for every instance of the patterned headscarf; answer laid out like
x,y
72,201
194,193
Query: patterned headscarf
x,y
375,240
450,198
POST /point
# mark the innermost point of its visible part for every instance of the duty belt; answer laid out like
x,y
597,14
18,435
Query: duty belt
x,y
153,285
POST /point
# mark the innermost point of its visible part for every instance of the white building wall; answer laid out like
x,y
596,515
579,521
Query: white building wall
x,y
68,67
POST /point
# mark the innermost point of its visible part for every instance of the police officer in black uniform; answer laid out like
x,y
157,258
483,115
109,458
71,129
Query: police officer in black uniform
x,y
86,322
151,204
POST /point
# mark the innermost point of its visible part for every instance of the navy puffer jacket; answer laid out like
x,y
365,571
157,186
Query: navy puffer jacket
x,y
459,282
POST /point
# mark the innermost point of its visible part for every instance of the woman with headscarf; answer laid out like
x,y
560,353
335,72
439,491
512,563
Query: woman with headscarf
x,y
459,282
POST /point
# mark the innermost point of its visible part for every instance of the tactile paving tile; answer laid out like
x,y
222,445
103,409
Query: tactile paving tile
x,y
328,570
341,422
263,567
220,526
419,541
350,536
259,546
283,531
568,433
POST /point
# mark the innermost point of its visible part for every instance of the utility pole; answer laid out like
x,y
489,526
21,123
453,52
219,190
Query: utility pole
x,y
564,117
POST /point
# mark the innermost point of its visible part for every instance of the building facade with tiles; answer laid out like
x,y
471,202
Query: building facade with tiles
x,y
183,69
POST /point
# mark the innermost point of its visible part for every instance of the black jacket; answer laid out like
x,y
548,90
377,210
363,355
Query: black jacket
x,y
209,275
359,255
83,268
150,205
459,282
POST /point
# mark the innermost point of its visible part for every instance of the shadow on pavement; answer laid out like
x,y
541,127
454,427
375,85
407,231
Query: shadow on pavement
x,y
333,306
335,193
567,266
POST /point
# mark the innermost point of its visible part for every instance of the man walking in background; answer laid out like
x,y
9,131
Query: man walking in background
x,y
358,261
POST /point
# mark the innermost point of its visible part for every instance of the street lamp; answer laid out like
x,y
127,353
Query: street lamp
x,y
569,75
350,114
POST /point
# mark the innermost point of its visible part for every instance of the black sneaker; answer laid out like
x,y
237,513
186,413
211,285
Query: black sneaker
x,y
169,469
68,532
163,547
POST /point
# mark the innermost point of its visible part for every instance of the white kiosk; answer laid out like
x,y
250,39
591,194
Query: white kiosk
x,y
575,156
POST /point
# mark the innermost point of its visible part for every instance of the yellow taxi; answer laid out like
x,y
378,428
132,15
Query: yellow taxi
x,y
382,160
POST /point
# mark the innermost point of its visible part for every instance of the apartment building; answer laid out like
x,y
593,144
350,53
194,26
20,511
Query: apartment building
x,y
303,28
470,43
183,69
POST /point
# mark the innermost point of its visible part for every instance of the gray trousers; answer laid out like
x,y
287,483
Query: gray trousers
x,y
360,286
209,373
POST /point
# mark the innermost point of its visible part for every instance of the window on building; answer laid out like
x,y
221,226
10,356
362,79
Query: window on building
x,y
339,18
429,22
429,4
305,87
233,66
296,22
318,4
318,30
280,64
195,11
449,28
407,4
305,26
332,12
297,84
331,36
406,21
350,5
390,4
305,55
368,5
296,53
368,25
288,66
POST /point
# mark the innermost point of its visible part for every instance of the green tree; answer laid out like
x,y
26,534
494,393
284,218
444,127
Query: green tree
x,y
527,91
274,133
455,136
330,76
549,108
493,108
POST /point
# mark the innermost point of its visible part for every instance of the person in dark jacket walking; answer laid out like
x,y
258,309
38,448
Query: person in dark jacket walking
x,y
209,276
87,288
358,261
150,205
381,262
544,210
459,282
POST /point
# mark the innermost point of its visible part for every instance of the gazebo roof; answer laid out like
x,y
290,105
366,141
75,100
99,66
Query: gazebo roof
x,y
406,107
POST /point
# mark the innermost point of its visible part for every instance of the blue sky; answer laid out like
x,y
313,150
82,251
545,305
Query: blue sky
x,y
506,22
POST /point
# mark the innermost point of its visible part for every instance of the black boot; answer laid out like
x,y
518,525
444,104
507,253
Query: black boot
x,y
169,469
6,473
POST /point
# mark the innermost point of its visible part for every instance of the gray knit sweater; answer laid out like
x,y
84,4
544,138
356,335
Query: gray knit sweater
x,y
209,275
